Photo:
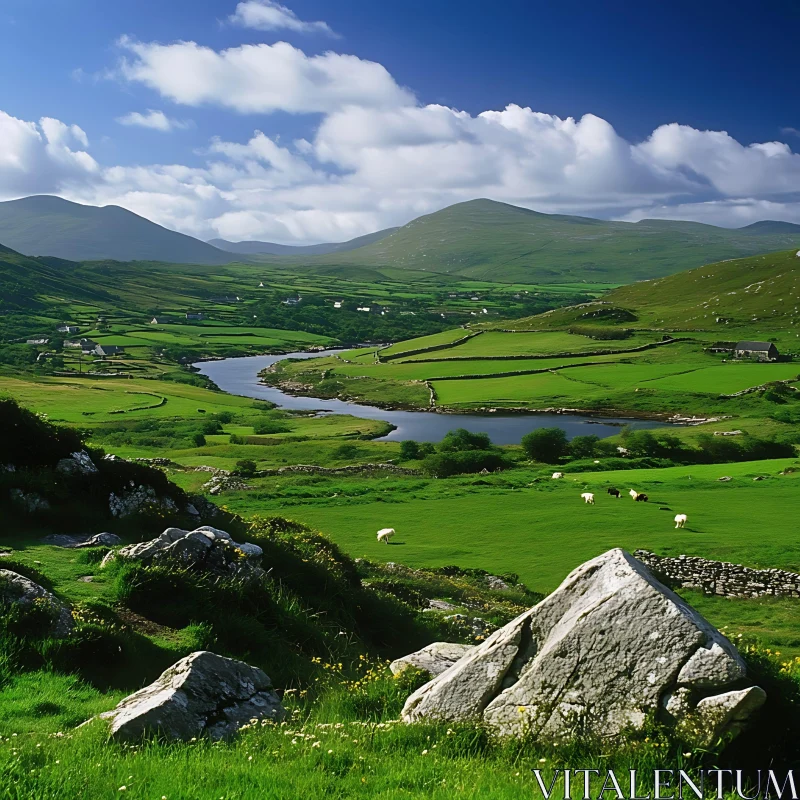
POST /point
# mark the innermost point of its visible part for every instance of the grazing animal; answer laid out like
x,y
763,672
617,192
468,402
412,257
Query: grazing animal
x,y
633,493
613,492
680,520
558,475
588,497
641,498
384,534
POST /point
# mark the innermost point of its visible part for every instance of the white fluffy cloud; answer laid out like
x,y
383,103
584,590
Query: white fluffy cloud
x,y
377,158
266,15
42,157
153,119
260,78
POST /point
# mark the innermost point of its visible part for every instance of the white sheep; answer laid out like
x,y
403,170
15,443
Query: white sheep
x,y
558,475
588,497
384,534
633,493
680,520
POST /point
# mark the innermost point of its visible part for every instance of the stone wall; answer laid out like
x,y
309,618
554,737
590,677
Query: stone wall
x,y
721,577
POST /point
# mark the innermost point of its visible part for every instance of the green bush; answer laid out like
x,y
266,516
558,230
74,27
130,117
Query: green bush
x,y
443,465
462,440
246,467
545,444
199,440
409,450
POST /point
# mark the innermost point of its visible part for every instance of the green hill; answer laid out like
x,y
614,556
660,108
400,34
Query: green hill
x,y
758,295
24,281
494,241
51,226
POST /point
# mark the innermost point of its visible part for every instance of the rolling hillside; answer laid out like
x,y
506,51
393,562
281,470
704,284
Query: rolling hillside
x,y
51,226
254,248
25,281
495,241
757,296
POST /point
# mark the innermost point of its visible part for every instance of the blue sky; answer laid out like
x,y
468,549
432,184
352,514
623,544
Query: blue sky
x,y
371,113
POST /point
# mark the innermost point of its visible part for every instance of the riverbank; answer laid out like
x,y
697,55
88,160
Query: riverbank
x,y
241,376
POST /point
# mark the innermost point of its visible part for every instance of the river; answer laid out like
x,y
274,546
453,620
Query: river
x,y
240,376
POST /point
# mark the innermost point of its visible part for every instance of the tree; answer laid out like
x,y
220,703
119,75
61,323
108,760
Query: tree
x,y
199,440
409,450
584,446
461,439
545,444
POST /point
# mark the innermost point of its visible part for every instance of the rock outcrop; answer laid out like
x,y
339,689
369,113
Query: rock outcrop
x,y
16,589
138,499
78,463
206,548
610,647
201,695
30,502
435,658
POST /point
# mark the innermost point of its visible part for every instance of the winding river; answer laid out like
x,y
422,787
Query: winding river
x,y
240,376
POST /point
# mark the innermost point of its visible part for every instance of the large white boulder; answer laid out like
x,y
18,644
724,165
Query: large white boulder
x,y
610,647
201,695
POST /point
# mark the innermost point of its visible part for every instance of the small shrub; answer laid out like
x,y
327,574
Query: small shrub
x,y
246,467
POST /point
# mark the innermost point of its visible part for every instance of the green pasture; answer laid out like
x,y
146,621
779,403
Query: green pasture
x,y
434,340
542,530
86,401
492,344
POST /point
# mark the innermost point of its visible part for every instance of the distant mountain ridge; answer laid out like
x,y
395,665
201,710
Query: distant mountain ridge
x,y
481,239
44,225
488,240
255,248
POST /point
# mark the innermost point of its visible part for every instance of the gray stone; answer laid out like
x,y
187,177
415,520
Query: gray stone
x,y
104,539
728,713
31,502
441,605
78,463
594,658
205,548
201,695
435,658
18,590
138,499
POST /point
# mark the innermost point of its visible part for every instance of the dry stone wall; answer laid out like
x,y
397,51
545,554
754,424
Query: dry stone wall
x,y
721,577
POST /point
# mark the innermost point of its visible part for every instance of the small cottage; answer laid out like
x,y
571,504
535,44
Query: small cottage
x,y
159,321
68,328
198,317
759,351
105,350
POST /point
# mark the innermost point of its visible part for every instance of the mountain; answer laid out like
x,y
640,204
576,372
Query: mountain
x,y
487,240
45,225
272,249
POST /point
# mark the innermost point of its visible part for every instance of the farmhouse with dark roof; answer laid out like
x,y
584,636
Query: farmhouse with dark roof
x,y
760,351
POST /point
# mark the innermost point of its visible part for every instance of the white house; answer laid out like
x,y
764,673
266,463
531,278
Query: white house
x,y
68,328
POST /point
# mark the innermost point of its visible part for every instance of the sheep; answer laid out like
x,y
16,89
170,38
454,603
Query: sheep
x,y
680,520
613,492
557,475
588,497
641,498
633,493
384,534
